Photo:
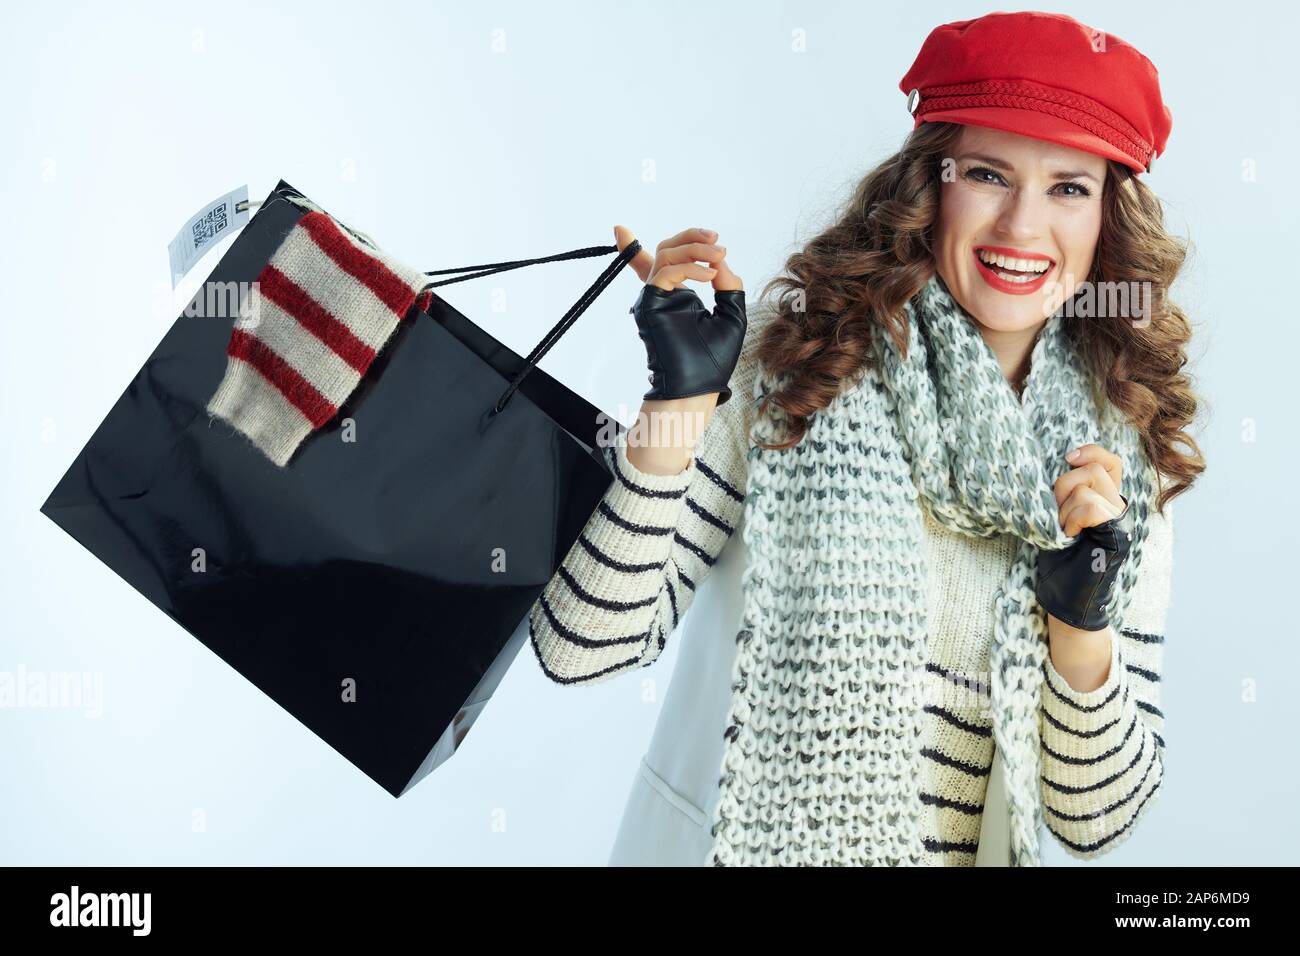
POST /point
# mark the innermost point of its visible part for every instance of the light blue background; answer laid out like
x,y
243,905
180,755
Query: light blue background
x,y
413,123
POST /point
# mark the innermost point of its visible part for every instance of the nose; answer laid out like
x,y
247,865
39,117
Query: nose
x,y
1022,216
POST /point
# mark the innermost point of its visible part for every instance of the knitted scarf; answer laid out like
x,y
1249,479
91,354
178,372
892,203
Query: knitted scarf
x,y
822,763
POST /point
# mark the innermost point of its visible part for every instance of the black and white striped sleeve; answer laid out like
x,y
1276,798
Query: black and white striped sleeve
x,y
627,582
1103,750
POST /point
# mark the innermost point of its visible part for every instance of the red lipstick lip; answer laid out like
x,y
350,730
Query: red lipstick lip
x,y
1016,253
1002,285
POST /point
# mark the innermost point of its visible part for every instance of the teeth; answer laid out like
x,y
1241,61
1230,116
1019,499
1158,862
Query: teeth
x,y
1020,265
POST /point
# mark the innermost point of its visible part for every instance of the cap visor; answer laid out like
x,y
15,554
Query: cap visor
x,y
1035,125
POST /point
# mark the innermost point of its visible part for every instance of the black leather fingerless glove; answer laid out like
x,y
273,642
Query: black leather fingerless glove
x,y
690,350
1071,586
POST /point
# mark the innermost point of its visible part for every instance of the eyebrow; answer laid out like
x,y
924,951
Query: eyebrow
x,y
1004,165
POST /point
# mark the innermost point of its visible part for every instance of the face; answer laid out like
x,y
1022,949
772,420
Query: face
x,y
1035,203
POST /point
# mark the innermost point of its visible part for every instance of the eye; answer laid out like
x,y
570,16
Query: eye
x,y
975,174
979,174
1083,191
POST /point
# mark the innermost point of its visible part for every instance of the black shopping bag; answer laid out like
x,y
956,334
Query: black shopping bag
x,y
375,588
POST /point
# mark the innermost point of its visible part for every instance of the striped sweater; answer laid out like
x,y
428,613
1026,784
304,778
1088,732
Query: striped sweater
x,y
630,578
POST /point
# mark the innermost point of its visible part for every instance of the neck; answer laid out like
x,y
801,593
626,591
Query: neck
x,y
1013,351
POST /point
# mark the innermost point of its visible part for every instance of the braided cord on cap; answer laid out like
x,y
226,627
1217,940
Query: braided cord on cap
x,y
1024,94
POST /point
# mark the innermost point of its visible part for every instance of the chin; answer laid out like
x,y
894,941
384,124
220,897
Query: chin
x,y
991,310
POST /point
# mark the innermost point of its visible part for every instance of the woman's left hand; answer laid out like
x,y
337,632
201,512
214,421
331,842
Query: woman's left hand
x,y
1088,494
1075,584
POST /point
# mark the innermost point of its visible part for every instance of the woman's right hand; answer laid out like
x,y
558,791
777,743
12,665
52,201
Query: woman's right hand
x,y
691,352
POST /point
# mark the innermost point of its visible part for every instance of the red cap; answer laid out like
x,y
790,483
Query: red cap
x,y
1043,75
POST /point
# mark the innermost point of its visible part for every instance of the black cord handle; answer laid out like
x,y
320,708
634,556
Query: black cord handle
x,y
493,267
558,330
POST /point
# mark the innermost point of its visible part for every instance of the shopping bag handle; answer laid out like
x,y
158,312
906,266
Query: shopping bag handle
x,y
560,327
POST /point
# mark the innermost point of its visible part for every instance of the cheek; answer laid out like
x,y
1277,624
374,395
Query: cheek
x,y
964,215
1078,237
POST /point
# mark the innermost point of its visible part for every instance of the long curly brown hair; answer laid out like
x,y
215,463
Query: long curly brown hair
x,y
878,254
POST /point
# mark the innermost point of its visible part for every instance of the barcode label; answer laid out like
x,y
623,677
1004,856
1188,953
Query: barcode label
x,y
204,229
210,225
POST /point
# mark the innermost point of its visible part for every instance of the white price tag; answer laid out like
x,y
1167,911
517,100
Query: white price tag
x,y
204,229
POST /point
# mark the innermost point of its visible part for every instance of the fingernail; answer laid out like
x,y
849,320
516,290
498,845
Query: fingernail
x,y
709,232
1073,455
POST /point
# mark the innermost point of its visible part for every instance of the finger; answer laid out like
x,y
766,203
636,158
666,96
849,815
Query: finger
x,y
671,277
726,280
691,252
1085,508
1091,452
1094,475
643,261
688,235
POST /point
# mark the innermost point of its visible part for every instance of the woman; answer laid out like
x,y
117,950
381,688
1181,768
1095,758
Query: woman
x,y
951,460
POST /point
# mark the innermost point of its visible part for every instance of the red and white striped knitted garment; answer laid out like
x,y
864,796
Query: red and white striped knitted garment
x,y
326,304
